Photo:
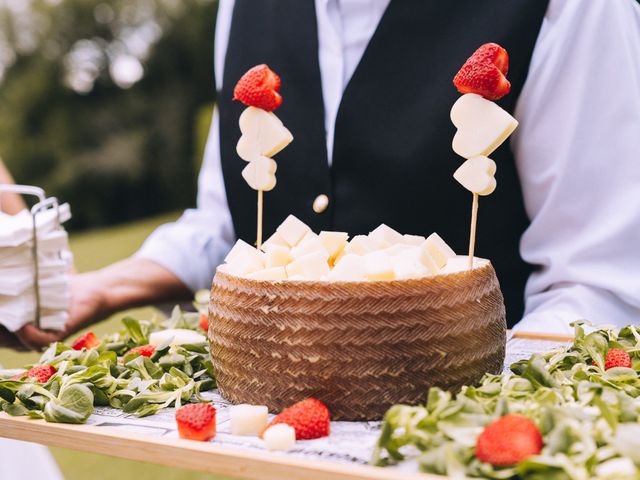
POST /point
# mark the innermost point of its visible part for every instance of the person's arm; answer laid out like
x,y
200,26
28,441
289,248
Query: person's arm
x,y
577,153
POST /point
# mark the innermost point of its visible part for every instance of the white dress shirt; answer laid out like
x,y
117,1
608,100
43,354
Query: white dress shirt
x,y
576,150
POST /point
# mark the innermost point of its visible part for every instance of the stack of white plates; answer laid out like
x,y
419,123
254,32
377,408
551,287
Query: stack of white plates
x,y
18,294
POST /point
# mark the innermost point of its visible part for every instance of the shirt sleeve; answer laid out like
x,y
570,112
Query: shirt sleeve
x,y
577,155
196,244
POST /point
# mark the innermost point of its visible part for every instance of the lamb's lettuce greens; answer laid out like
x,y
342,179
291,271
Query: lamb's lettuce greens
x,y
109,376
588,416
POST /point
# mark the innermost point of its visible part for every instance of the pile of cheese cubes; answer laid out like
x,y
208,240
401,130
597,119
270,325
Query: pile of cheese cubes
x,y
294,252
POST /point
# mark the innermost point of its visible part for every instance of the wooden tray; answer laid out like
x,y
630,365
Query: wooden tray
x,y
203,456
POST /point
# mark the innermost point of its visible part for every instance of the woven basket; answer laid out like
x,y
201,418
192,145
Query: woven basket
x,y
360,347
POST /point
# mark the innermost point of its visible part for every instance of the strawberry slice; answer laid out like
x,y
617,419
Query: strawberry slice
x,y
508,441
310,419
259,88
41,373
143,350
617,357
484,73
87,340
196,421
204,322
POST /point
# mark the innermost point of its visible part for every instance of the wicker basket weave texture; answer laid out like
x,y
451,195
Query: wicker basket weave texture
x,y
360,347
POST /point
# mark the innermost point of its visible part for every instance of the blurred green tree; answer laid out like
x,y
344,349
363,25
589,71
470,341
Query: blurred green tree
x,y
100,101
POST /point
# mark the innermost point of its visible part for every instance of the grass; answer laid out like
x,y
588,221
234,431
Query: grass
x,y
93,250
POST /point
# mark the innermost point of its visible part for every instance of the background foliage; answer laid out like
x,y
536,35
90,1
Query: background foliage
x,y
101,101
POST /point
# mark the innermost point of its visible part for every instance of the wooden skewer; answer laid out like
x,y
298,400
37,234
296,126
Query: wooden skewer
x,y
472,235
259,234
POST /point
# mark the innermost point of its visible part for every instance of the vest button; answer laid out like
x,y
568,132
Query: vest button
x,y
321,203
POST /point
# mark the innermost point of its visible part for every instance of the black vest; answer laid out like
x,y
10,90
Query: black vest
x,y
392,156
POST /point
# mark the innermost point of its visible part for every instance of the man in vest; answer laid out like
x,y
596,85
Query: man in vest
x,y
367,92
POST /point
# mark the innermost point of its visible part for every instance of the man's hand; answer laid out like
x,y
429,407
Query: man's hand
x,y
96,295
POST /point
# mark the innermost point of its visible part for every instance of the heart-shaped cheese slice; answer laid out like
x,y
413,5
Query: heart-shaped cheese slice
x,y
482,126
260,174
263,134
476,175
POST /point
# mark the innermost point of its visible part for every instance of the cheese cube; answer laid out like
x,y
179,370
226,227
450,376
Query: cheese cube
x,y
275,239
427,259
310,267
379,266
333,242
248,419
309,244
237,249
243,259
385,236
277,256
396,249
360,245
274,274
413,239
279,437
460,263
350,268
408,264
438,249
292,230
482,126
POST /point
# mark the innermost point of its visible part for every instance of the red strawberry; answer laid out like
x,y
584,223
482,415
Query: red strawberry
x,y
259,88
310,418
87,340
204,322
143,350
196,421
617,357
41,373
484,73
508,440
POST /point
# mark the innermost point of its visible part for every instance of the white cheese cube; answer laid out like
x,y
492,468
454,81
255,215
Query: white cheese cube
x,y
396,249
277,256
275,239
333,242
427,259
350,268
248,419
311,267
244,259
360,245
379,266
460,263
482,126
408,264
438,249
292,230
385,236
279,437
309,244
413,239
274,274
237,249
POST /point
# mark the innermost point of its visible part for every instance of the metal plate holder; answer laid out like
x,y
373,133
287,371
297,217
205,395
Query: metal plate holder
x,y
42,205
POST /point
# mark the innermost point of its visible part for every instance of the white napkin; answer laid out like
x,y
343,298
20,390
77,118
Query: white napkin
x,y
17,279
